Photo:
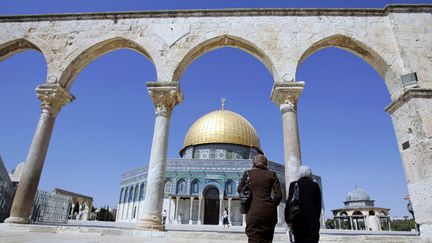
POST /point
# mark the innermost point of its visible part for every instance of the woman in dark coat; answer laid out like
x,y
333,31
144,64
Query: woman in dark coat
x,y
306,225
261,218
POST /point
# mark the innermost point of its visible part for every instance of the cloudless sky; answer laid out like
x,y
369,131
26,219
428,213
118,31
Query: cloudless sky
x,y
346,136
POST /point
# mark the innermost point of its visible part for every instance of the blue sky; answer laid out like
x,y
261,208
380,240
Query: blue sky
x,y
346,136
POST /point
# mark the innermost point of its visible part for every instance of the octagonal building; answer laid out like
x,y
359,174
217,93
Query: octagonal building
x,y
217,149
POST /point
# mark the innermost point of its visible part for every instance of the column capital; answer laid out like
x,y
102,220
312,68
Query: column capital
x,y
165,96
53,97
286,95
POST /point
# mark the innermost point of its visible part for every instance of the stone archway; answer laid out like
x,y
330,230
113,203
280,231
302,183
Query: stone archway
x,y
279,38
211,205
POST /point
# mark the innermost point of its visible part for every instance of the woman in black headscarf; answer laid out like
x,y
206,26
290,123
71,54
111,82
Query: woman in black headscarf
x,y
306,225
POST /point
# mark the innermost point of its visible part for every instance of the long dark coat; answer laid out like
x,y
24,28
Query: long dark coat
x,y
261,218
306,225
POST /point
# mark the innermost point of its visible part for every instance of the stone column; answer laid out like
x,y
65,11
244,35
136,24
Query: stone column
x,y
285,95
53,97
279,221
229,210
190,210
199,209
389,223
365,219
412,120
72,209
169,210
244,220
165,96
176,210
221,208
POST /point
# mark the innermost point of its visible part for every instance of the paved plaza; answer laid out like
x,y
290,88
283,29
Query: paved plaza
x,y
106,232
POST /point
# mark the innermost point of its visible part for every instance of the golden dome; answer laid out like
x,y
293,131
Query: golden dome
x,y
222,126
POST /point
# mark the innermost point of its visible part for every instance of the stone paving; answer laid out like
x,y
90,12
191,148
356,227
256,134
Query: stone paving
x,y
107,232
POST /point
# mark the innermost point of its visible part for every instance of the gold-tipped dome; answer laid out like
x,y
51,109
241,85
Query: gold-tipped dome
x,y
222,126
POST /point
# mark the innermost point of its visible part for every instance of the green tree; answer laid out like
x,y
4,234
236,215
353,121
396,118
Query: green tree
x,y
330,224
403,225
104,214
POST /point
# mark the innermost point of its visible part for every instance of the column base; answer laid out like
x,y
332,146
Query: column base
x,y
150,222
426,230
190,221
199,222
17,220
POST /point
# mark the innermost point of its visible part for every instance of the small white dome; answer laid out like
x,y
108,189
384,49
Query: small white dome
x,y
357,194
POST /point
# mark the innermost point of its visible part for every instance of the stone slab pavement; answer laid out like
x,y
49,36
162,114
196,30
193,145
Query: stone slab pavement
x,y
109,233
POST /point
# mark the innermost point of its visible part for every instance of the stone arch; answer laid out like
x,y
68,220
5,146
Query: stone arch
x,y
12,47
131,193
360,49
136,193
141,192
125,195
219,42
121,195
95,51
209,185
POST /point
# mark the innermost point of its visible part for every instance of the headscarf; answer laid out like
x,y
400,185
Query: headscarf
x,y
260,161
304,171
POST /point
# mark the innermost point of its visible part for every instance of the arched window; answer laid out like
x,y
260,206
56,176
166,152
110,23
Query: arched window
x,y
130,194
181,187
141,194
229,187
121,195
125,195
168,187
136,193
195,186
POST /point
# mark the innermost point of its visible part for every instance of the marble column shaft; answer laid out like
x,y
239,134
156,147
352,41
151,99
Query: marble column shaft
x,y
286,95
190,210
229,210
165,96
169,210
176,210
221,208
53,97
199,209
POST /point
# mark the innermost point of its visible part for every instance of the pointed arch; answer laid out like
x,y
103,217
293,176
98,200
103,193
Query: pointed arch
x,y
95,51
125,196
365,52
141,193
230,187
181,187
352,45
194,188
18,45
219,42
